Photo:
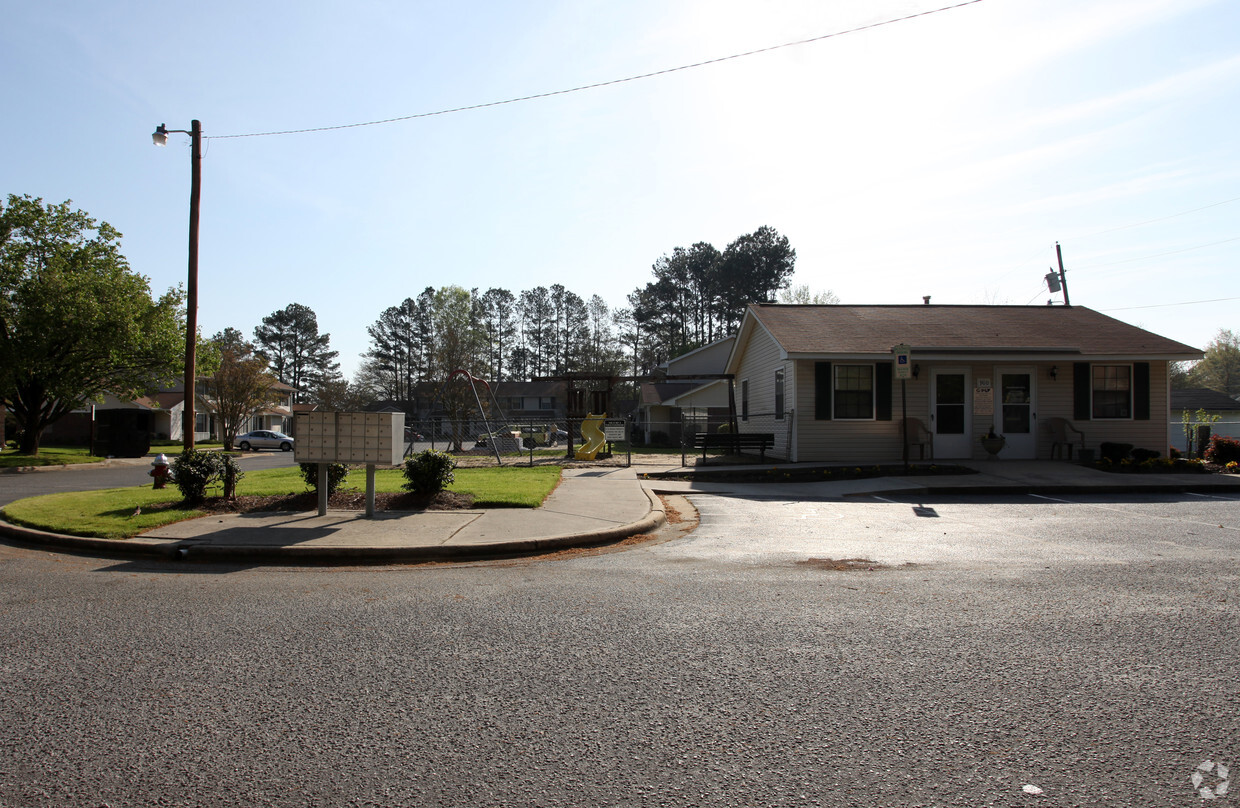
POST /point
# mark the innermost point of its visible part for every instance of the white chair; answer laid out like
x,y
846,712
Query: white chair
x,y
919,436
1064,435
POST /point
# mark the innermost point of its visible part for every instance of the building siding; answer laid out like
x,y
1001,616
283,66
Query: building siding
x,y
861,442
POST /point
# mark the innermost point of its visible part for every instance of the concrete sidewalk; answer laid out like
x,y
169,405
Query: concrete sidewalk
x,y
590,506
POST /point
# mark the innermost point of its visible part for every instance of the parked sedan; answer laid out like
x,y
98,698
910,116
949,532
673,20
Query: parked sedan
x,y
264,439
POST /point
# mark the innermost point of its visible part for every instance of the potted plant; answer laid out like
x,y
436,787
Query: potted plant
x,y
992,443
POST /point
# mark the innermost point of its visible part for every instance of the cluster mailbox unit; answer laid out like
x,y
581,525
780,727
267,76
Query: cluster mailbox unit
x,y
350,437
372,438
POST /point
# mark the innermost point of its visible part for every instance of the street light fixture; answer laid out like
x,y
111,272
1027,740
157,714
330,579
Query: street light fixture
x,y
160,138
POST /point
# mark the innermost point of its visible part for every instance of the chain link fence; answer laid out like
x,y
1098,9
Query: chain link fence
x,y
474,442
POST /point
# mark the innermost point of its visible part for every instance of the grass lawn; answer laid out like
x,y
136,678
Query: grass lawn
x,y
48,456
110,513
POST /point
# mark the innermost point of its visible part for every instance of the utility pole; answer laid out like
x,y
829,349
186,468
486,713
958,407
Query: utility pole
x,y
1063,278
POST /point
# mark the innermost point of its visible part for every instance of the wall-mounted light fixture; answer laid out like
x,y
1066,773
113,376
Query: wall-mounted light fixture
x,y
916,370
1054,371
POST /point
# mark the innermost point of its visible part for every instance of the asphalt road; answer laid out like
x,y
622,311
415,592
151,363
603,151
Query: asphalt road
x,y
88,477
973,648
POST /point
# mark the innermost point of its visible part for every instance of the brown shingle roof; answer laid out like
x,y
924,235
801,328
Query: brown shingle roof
x,y
802,329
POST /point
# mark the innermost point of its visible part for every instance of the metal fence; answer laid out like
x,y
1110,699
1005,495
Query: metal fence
x,y
532,442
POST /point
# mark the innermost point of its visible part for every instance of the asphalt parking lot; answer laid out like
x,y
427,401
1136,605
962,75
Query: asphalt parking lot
x,y
966,649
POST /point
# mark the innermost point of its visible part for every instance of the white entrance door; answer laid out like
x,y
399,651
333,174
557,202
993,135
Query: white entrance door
x,y
1018,421
950,413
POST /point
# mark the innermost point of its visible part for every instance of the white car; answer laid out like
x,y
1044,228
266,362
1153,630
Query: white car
x,y
264,439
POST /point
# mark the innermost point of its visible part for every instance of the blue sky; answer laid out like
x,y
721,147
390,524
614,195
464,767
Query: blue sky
x,y
944,155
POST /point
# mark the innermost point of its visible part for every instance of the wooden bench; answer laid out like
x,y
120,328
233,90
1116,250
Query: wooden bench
x,y
734,442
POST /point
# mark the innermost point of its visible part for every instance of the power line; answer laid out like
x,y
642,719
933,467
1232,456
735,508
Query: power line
x,y
1152,221
610,83
1168,305
1158,255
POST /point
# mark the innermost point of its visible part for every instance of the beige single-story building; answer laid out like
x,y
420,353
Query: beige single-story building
x,y
824,380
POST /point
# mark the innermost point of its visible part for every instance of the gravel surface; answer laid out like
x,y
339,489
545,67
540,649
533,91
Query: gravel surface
x,y
1086,648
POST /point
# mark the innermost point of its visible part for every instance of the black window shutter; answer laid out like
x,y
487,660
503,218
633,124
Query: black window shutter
x,y
823,390
1141,391
1082,383
882,391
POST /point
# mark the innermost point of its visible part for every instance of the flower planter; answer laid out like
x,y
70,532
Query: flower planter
x,y
993,446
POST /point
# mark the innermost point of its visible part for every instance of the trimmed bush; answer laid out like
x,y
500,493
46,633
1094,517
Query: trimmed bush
x,y
194,472
1142,455
1222,450
1115,452
429,472
336,472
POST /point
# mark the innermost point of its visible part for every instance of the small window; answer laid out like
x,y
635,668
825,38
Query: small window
x,y
854,392
779,394
1112,391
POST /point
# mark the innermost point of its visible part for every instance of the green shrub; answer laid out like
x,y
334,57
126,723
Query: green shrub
x,y
429,472
1142,455
1222,450
1115,452
336,472
194,472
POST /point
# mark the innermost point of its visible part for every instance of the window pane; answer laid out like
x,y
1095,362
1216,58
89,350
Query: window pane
x,y
854,391
950,419
1112,391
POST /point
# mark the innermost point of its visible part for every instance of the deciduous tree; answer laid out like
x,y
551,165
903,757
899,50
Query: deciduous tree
x,y
75,322
1220,369
241,387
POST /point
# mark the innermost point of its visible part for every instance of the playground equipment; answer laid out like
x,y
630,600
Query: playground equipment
x,y
592,434
474,382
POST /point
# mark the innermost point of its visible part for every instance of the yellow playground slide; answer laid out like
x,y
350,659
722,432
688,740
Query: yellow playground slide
x,y
592,436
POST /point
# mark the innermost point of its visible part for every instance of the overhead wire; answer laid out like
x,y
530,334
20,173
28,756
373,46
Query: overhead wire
x,y
1168,305
1153,221
612,82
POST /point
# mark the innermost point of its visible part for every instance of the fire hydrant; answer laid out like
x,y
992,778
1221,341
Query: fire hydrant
x,y
160,470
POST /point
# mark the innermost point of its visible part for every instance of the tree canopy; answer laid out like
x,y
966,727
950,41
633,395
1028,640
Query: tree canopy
x,y
296,352
1219,369
75,322
240,388
699,294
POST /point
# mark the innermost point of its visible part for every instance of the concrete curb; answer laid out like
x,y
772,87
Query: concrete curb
x,y
82,544
192,551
